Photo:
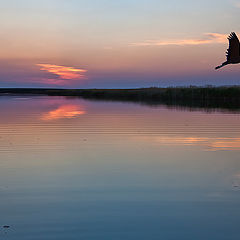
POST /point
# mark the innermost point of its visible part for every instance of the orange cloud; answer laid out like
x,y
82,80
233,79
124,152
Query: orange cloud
x,y
65,111
209,38
63,72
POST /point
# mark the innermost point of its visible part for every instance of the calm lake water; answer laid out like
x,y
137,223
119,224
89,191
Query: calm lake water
x,y
77,169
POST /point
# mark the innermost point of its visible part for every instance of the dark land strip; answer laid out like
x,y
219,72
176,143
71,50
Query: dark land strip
x,y
227,98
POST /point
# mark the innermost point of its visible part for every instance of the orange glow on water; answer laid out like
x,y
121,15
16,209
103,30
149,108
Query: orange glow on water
x,y
63,72
227,143
65,111
209,143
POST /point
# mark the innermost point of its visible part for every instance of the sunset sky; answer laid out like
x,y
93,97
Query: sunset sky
x,y
116,44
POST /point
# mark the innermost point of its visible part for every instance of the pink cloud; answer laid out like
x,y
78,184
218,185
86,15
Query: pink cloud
x,y
62,73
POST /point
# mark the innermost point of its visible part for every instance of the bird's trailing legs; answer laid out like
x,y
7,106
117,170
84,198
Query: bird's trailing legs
x,y
224,64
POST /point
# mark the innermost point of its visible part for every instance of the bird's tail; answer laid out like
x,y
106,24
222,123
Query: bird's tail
x,y
218,67
224,64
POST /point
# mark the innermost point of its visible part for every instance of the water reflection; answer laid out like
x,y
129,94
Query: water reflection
x,y
64,111
210,144
72,169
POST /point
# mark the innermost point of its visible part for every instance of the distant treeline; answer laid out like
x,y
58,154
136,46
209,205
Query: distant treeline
x,y
208,97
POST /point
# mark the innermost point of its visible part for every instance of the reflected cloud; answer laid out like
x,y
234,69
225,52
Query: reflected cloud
x,y
63,72
182,140
207,39
65,111
228,143
212,144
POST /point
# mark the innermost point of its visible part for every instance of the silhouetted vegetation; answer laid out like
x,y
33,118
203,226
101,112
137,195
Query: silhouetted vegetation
x,y
206,97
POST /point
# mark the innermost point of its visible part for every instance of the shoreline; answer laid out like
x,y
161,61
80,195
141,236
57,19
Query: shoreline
x,y
227,97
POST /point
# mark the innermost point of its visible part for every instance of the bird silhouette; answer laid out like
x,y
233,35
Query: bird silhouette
x,y
233,53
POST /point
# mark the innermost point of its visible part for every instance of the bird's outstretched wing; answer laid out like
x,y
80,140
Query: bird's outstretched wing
x,y
233,52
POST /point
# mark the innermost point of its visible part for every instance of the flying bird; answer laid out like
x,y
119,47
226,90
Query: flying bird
x,y
233,53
